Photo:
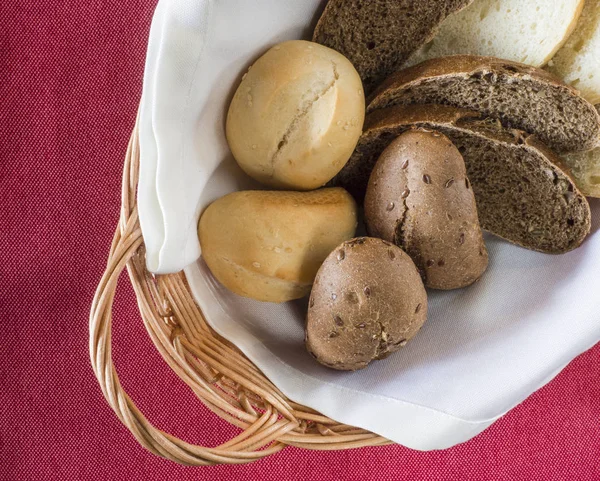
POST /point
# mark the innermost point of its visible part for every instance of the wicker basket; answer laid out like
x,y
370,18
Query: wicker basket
x,y
216,371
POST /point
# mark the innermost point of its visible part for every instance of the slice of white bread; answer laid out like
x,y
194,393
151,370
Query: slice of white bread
x,y
578,62
585,168
526,31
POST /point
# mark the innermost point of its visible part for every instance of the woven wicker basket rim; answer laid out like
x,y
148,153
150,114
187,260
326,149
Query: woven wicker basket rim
x,y
222,378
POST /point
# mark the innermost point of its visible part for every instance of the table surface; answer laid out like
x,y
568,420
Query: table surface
x,y
70,82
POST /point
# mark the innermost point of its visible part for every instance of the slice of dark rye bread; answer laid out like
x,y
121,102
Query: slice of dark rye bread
x,y
523,194
521,96
378,36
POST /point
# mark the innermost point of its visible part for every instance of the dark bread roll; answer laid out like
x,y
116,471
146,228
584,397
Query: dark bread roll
x,y
367,301
521,96
419,198
378,36
523,192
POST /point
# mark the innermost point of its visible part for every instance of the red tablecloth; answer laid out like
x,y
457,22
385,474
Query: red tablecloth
x,y
70,81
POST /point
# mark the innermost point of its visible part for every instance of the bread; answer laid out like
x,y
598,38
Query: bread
x,y
585,167
578,61
522,97
522,192
269,245
523,31
378,36
368,301
419,198
296,116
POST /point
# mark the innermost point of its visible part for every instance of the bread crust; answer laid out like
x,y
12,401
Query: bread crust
x,y
568,32
269,245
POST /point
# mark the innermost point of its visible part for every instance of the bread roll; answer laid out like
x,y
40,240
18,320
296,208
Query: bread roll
x,y
419,198
367,302
296,116
269,245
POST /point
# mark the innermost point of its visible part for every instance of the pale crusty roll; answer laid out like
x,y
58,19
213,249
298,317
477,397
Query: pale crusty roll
x,y
296,116
269,245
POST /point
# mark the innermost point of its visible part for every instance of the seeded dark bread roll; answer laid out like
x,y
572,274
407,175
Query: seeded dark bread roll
x,y
419,198
367,301
378,36
523,192
523,97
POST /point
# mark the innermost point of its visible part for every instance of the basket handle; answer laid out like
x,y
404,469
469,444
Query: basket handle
x,y
127,242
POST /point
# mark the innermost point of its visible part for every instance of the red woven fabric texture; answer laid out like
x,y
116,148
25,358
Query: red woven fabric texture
x,y
70,82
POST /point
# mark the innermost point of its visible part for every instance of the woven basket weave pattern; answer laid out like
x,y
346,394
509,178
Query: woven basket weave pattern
x,y
216,371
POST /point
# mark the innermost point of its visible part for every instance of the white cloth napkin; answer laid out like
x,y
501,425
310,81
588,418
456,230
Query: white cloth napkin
x,y
483,349
197,52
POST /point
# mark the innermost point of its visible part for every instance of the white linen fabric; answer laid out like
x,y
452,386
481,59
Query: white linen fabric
x,y
482,351
197,52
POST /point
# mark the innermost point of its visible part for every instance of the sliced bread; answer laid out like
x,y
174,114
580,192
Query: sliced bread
x,y
522,193
578,62
524,31
585,167
522,97
378,36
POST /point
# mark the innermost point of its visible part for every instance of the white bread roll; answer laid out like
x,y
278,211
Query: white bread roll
x,y
578,62
296,117
269,245
529,31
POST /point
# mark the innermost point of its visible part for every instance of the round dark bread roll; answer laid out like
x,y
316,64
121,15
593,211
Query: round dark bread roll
x,y
419,198
368,300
